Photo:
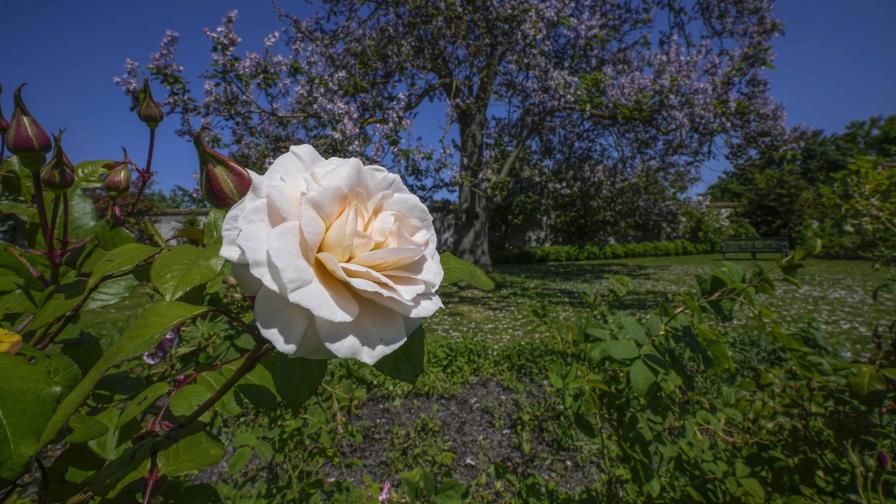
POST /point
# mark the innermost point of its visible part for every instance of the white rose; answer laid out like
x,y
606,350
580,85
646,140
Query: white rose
x,y
341,256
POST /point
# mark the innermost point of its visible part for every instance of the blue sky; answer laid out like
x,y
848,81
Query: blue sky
x,y
834,64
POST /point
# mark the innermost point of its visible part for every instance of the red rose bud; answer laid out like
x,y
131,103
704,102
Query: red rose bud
x,y
223,182
149,110
59,173
24,135
118,181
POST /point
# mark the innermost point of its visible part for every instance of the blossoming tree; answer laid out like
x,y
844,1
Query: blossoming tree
x,y
603,90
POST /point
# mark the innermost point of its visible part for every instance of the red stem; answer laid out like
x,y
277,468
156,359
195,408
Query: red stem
x,y
146,173
51,245
39,203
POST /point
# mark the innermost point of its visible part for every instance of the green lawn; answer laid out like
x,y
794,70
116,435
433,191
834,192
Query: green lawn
x,y
835,294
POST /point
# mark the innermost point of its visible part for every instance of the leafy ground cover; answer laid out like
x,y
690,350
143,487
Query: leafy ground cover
x,y
492,417
835,295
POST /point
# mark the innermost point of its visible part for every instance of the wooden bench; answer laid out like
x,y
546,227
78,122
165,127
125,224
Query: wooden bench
x,y
771,244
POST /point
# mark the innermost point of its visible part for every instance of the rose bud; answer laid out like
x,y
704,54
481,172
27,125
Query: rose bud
x,y
59,173
24,135
223,182
883,460
149,110
118,181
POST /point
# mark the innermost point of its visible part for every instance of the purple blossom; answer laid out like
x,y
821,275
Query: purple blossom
x,y
163,347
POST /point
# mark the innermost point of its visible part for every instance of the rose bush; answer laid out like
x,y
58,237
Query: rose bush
x,y
341,256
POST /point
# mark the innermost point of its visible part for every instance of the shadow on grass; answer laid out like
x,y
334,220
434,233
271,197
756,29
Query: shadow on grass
x,y
577,271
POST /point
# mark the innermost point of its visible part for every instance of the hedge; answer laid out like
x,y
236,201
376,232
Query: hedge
x,y
565,253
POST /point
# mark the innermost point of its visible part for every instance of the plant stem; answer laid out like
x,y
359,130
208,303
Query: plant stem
x,y
146,174
51,245
151,479
39,203
251,359
31,269
63,244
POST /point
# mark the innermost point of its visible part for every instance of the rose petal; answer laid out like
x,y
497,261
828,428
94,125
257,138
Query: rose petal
x,y
326,297
373,334
292,268
280,322
253,239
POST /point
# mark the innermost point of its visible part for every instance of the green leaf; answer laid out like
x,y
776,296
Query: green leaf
x,y
153,233
138,404
405,363
190,454
111,292
186,400
150,324
867,379
211,227
456,270
85,428
297,380
108,445
238,460
82,214
641,377
110,236
121,259
63,371
27,400
753,488
59,302
87,173
258,387
181,268
632,329
618,349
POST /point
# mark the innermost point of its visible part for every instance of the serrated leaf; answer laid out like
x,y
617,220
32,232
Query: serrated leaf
x,y
618,349
85,428
258,387
297,380
181,268
456,270
121,259
59,302
211,227
641,377
238,460
27,400
866,379
190,454
149,325
142,401
405,363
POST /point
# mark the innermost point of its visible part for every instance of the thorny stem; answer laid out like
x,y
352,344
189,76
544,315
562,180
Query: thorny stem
x,y
39,203
253,331
151,479
146,173
251,359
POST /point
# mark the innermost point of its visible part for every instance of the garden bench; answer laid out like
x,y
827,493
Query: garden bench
x,y
776,244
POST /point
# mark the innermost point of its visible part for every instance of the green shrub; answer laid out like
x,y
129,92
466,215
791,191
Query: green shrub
x,y
566,253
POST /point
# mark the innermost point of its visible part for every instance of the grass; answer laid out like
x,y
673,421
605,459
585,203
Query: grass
x,y
835,295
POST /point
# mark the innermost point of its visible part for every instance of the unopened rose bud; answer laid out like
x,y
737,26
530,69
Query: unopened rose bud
x,y
883,460
118,181
59,173
149,110
24,135
223,182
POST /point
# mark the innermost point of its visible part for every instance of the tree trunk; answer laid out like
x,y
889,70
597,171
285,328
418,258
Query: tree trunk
x,y
471,220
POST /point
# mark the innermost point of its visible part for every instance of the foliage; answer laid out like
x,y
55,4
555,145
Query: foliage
x,y
564,253
810,185
83,299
